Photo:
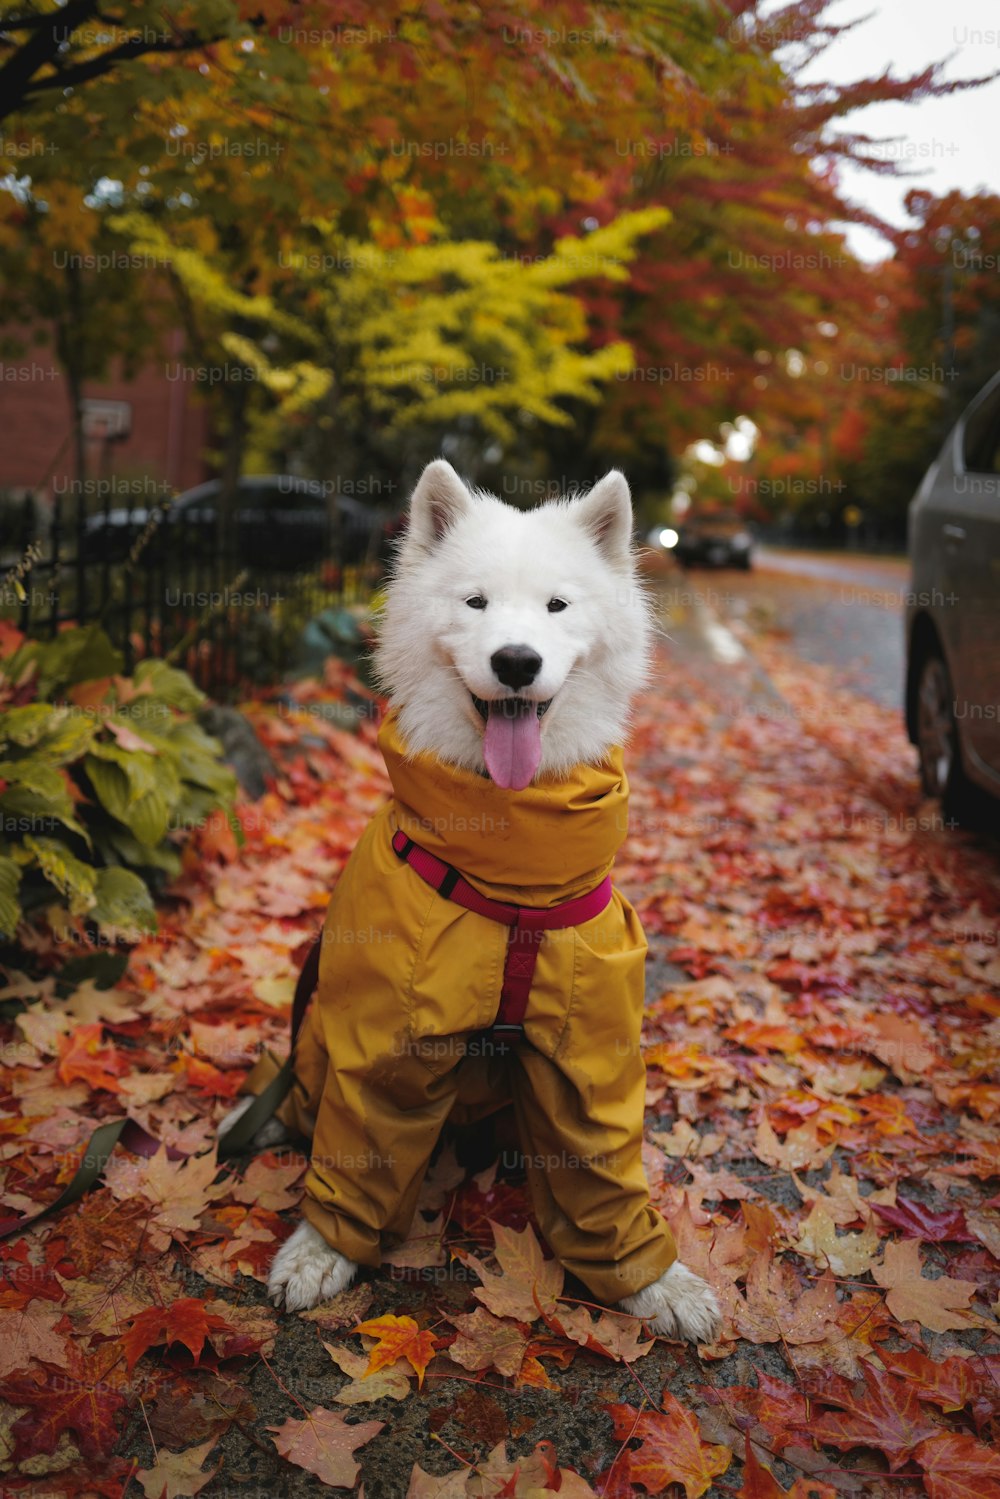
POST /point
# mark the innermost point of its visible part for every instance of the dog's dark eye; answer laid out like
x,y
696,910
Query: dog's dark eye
x,y
556,606
476,601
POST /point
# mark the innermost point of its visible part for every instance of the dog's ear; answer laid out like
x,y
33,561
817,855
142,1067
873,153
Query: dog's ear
x,y
438,500
606,512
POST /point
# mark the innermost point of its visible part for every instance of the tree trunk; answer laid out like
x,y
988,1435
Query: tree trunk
x,y
236,403
72,357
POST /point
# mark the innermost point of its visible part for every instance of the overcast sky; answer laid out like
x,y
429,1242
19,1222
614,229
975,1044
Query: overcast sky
x,y
951,142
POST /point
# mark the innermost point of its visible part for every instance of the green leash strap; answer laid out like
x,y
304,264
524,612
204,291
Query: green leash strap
x,y
132,1136
96,1156
237,1139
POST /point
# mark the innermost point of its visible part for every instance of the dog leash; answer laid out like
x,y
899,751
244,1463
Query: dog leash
x,y
133,1137
525,925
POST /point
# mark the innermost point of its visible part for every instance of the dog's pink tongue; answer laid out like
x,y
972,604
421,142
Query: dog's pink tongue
x,y
512,746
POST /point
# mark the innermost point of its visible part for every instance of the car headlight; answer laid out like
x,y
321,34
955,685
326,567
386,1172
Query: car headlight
x,y
669,537
742,540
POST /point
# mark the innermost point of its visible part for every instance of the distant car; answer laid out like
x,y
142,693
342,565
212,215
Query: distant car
x,y
714,541
282,523
953,610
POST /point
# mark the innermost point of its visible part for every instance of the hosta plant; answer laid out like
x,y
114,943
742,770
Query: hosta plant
x,y
100,776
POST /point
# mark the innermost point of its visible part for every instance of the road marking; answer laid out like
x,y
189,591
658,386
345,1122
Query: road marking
x,y
722,642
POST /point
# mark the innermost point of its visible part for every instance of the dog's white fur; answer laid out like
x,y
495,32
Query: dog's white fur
x,y
434,654
434,651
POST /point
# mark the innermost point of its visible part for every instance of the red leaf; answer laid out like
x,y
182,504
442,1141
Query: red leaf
x,y
887,1416
915,1221
956,1466
83,1397
186,1322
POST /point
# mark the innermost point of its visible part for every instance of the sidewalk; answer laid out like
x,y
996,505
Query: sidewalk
x,y
822,1127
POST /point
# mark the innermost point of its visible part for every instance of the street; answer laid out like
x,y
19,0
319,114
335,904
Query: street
x,y
841,612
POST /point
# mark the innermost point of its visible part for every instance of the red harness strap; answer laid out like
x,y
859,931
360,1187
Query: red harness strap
x,y
526,923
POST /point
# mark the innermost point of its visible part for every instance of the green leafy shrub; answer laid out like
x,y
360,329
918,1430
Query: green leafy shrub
x,y
100,775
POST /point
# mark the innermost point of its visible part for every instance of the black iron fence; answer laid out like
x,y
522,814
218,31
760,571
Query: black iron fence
x,y
224,591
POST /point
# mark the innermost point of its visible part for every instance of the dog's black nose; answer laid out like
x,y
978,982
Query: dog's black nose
x,y
516,665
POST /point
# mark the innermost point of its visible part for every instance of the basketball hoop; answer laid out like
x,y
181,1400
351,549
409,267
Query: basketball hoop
x,y
105,421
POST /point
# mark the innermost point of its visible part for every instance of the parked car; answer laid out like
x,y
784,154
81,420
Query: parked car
x,y
716,540
953,610
282,523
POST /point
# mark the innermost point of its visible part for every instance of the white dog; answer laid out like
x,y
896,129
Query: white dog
x,y
511,646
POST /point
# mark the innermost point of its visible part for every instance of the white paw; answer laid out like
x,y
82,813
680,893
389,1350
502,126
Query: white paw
x,y
271,1132
306,1271
678,1305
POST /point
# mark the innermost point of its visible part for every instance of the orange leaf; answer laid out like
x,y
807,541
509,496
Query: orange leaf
x,y
399,1337
211,1081
185,1321
324,1444
672,1450
936,1304
81,1055
529,1283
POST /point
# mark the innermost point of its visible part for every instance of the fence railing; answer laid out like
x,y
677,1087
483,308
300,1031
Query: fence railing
x,y
223,596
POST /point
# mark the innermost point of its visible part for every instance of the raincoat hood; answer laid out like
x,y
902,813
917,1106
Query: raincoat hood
x,y
551,842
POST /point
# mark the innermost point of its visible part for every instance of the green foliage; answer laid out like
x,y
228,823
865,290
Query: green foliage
x,y
100,775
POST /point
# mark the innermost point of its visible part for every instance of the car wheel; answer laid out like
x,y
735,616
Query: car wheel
x,y
937,737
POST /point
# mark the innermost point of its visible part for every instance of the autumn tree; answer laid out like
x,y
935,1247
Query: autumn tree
x,y
497,128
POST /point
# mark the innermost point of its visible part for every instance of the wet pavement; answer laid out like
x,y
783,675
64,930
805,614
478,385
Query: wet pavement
x,y
838,611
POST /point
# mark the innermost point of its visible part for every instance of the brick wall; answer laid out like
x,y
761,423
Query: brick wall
x,y
168,438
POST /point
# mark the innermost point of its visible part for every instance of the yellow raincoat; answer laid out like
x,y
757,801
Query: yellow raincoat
x,y
389,1051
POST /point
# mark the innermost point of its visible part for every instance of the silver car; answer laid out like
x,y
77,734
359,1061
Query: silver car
x,y
953,611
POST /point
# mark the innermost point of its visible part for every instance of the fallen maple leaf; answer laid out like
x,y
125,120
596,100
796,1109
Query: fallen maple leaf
x,y
672,1450
949,1383
777,1309
801,1150
840,1197
939,1305
886,1415
915,1221
28,1337
486,1342
179,1191
956,1466
177,1475
423,1246
83,1055
324,1444
365,1384
528,1284
845,1254
903,1045
689,1068
502,1477
615,1337
268,1182
425,1485
185,1321
399,1337
771,1403
83,1395
207,1079
760,1483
